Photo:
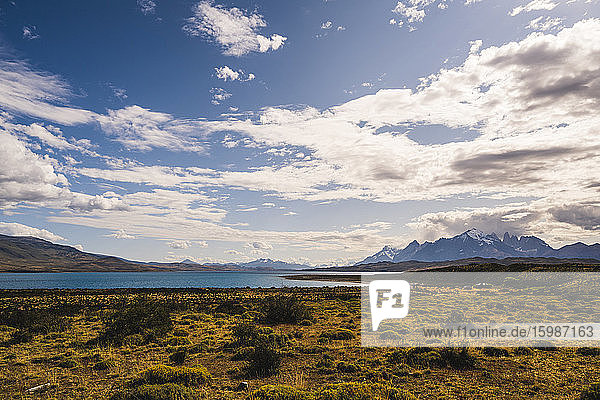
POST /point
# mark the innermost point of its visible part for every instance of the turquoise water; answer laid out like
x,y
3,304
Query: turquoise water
x,y
109,280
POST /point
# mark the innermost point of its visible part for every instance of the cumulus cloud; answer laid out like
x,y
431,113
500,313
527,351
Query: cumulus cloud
x,y
534,5
227,73
180,244
235,30
27,177
121,234
86,202
219,95
15,229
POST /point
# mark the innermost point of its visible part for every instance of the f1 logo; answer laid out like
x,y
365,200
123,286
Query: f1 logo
x,y
389,300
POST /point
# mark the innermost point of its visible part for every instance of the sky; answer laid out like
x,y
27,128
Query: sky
x,y
314,131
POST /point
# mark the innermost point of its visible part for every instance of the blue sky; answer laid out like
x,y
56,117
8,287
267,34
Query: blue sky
x,y
314,131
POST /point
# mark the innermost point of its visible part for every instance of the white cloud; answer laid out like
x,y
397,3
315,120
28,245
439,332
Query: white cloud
x,y
534,5
475,46
235,30
326,25
259,246
227,73
30,32
180,244
140,129
146,6
413,12
37,94
121,234
219,95
120,94
545,24
14,229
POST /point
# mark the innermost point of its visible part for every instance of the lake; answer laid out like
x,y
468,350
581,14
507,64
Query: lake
x,y
183,279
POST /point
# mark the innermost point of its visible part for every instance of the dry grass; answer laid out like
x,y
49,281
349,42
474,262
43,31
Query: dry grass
x,y
79,367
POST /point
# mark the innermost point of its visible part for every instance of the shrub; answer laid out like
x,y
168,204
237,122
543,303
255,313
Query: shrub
x,y
18,337
523,351
278,392
33,321
245,332
347,367
169,391
592,392
264,361
284,309
187,376
339,334
230,307
588,351
495,352
244,353
143,316
103,365
459,359
362,391
178,357
251,335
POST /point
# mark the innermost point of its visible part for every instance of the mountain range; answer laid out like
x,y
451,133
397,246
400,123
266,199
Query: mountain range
x,y
30,254
475,243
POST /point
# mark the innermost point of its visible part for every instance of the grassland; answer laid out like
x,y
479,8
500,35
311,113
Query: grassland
x,y
285,344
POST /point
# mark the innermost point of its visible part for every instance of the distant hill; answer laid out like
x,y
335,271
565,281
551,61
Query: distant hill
x,y
30,254
474,243
473,264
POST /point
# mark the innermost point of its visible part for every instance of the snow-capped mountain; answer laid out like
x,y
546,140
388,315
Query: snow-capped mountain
x,y
475,243
267,263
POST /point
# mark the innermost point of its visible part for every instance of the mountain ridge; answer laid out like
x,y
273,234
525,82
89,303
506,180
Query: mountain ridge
x,y
475,243
31,254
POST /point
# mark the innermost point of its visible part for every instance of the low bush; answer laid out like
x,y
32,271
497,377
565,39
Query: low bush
x,y
523,351
168,391
178,357
347,367
187,376
34,321
264,361
278,392
143,317
495,352
588,351
284,310
462,358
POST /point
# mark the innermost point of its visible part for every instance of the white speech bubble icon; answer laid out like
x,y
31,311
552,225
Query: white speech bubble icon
x,y
389,300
